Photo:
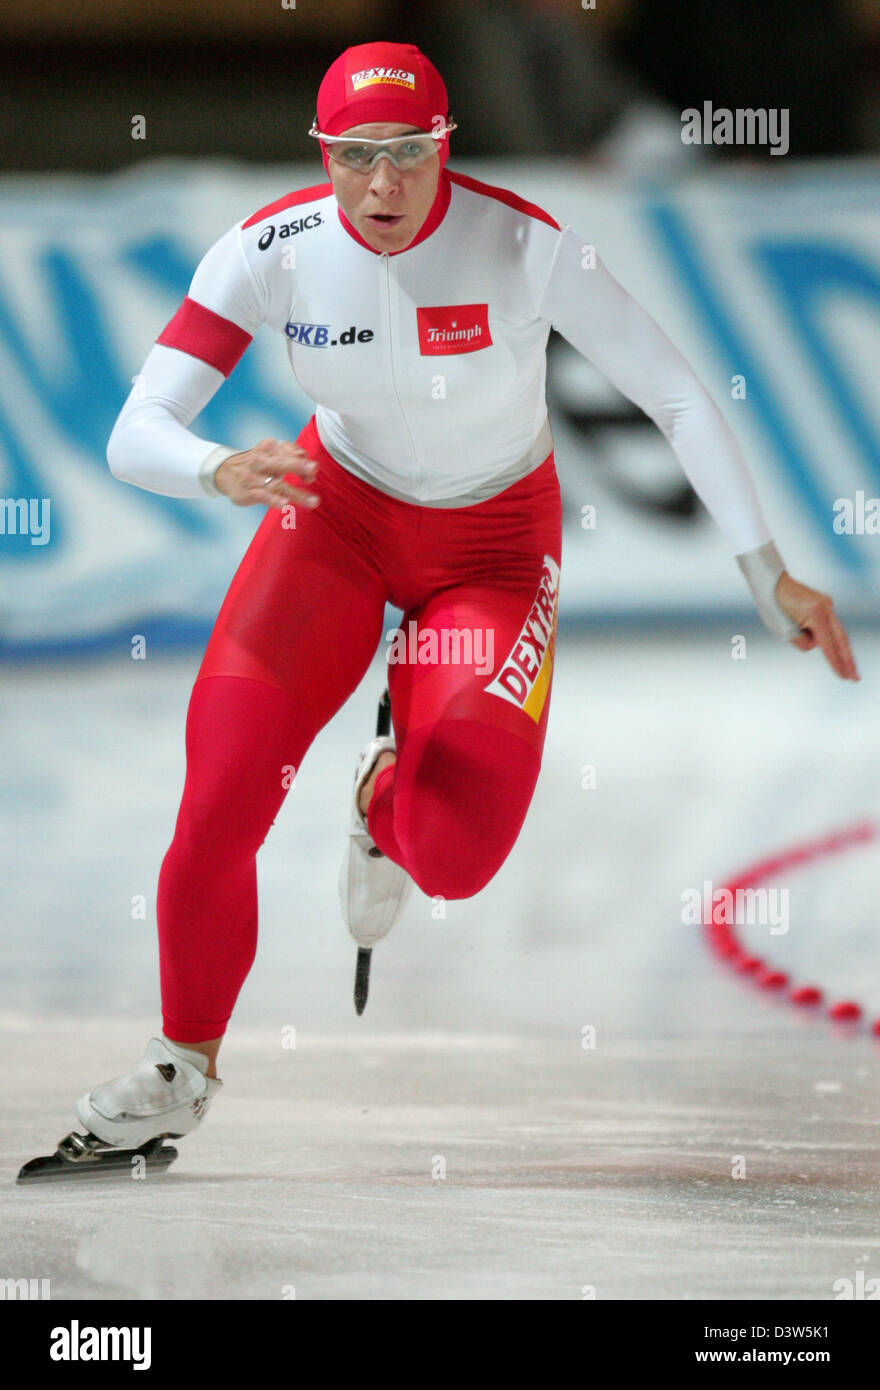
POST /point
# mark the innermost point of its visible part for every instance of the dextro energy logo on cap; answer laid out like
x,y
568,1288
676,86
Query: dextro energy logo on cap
x,y
394,77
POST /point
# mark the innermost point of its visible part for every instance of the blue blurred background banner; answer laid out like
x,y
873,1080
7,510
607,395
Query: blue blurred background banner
x,y
769,282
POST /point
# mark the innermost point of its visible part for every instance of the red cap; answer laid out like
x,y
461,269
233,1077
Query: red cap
x,y
382,82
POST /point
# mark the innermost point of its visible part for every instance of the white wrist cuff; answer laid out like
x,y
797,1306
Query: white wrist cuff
x,y
761,569
208,467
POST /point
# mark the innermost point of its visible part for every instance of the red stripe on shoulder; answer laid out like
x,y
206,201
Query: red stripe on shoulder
x,y
290,200
205,335
504,195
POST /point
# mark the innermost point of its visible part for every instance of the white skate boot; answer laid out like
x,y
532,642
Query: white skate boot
x,y
373,890
167,1094
128,1119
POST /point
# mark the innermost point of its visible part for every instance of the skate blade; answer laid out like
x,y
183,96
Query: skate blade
x,y
383,718
362,978
365,953
84,1156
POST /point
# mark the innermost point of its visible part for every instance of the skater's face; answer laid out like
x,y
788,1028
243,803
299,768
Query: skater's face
x,y
386,205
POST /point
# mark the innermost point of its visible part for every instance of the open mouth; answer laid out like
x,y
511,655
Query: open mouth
x,y
383,219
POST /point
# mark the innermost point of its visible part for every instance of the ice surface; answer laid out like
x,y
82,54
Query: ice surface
x,y
566,1167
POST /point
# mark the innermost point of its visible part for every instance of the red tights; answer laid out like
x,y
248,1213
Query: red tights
x,y
469,680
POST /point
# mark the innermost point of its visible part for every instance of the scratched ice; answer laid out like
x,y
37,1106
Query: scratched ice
x,y
553,1084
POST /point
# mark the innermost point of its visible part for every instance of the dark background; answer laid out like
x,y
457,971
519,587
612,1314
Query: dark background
x,y
237,78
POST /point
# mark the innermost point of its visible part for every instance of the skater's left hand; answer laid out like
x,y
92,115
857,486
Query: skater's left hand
x,y
820,626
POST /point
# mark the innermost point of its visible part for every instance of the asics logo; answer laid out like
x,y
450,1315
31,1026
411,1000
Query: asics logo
x,y
288,229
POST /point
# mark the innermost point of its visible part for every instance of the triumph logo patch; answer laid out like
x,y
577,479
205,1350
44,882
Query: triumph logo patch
x,y
453,328
524,678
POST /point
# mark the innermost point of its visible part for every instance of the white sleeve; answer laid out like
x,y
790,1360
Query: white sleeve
x,y
151,445
599,318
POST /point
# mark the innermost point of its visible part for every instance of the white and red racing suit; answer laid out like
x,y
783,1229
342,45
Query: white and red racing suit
x,y
438,494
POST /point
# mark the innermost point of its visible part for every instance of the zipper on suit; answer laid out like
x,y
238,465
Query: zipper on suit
x,y
390,331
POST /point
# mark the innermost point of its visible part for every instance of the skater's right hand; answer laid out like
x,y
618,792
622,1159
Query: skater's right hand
x,y
243,477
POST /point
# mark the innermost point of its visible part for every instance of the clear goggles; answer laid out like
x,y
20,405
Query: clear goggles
x,y
404,151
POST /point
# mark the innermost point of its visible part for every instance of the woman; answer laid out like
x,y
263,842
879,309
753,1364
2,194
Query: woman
x,y
416,304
